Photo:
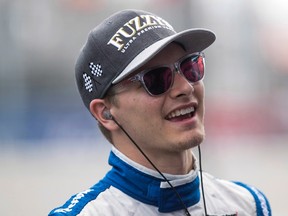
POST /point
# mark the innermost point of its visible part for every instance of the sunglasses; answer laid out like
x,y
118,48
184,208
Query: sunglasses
x,y
158,80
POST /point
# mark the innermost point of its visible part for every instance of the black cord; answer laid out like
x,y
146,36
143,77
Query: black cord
x,y
202,187
147,158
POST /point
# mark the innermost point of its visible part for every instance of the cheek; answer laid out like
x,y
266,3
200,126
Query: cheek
x,y
149,108
200,89
199,92
141,117
139,106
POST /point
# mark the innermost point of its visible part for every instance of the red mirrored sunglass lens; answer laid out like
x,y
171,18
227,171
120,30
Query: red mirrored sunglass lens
x,y
193,68
159,80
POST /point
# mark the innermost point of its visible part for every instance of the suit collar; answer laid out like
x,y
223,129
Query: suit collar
x,y
148,186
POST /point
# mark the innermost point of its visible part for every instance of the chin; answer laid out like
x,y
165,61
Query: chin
x,y
197,137
197,140
190,143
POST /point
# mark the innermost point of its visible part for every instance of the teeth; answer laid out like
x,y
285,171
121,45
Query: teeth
x,y
181,112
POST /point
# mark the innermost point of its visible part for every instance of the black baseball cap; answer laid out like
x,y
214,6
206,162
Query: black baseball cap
x,y
124,42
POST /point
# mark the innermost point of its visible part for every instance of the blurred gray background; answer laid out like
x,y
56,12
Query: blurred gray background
x,y
50,147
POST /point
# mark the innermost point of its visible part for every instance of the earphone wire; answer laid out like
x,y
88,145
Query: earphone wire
x,y
202,185
148,159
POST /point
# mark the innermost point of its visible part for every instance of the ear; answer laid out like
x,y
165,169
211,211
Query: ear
x,y
97,108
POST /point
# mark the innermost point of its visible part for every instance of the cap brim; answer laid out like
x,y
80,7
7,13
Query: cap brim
x,y
193,40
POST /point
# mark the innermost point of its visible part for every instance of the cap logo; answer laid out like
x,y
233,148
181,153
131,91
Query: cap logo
x,y
87,82
135,27
96,70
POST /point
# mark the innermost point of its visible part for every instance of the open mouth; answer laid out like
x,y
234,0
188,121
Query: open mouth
x,y
181,114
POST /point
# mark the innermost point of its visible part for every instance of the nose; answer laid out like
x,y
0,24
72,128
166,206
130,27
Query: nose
x,y
181,86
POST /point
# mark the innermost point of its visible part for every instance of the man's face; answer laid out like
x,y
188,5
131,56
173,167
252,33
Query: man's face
x,y
154,122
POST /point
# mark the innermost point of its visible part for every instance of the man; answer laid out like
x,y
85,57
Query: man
x,y
142,81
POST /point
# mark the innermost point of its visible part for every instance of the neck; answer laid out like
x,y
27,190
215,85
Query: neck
x,y
179,163
176,163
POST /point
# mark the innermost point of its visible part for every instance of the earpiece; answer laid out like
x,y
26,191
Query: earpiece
x,y
107,115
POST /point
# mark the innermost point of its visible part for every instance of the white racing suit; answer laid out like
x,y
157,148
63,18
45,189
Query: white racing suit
x,y
131,189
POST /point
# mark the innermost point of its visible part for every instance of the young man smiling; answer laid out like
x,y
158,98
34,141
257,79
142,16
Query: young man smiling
x,y
143,82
